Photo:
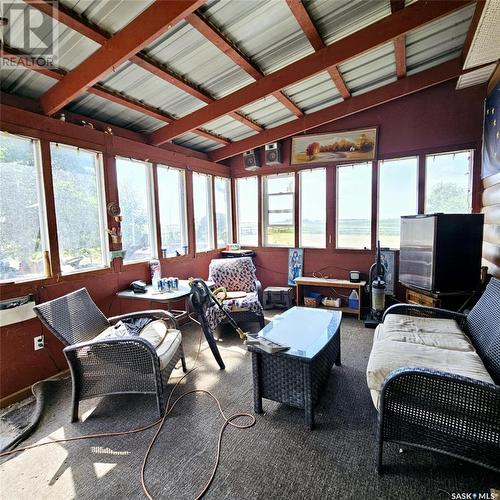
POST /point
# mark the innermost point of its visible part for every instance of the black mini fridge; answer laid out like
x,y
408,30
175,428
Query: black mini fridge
x,y
441,252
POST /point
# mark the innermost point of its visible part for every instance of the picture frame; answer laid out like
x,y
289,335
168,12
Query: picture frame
x,y
335,147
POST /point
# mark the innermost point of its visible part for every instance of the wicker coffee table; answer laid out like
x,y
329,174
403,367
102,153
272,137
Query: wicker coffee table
x,y
297,376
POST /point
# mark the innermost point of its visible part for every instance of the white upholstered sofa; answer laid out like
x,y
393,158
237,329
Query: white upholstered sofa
x,y
434,377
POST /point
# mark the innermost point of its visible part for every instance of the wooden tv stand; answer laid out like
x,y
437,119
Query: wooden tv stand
x,y
309,282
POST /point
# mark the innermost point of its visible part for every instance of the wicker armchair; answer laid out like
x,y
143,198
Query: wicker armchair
x,y
238,275
444,412
117,365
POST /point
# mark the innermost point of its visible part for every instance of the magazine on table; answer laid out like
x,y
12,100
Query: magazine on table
x,y
265,344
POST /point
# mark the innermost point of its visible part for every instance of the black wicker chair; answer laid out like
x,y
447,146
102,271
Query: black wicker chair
x,y
120,365
444,412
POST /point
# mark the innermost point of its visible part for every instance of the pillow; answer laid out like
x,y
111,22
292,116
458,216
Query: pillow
x,y
155,333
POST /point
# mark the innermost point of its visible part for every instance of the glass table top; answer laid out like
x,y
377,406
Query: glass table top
x,y
304,329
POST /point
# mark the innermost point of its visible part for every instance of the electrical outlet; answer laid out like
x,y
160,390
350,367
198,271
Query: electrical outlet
x,y
39,342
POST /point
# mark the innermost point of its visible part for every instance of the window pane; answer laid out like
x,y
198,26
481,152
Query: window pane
x,y
313,208
279,221
354,205
202,198
78,198
447,182
172,205
397,196
22,214
223,211
134,192
247,206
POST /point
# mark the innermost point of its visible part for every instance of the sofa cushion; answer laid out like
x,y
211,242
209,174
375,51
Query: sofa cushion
x,y
441,333
389,355
165,341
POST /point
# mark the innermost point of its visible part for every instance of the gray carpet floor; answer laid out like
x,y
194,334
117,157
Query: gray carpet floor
x,y
277,458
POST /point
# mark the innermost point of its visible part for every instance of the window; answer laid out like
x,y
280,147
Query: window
x,y
23,237
136,203
447,182
203,218
247,211
223,211
397,196
172,205
313,208
279,223
354,205
78,196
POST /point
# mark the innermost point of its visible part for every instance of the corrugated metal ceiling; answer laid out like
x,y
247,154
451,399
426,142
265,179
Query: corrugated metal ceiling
x,y
266,32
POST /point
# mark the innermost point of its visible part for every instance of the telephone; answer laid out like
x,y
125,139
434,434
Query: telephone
x,y
138,286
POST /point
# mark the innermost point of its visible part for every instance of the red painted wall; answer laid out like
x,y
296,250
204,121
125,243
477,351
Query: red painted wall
x,y
436,119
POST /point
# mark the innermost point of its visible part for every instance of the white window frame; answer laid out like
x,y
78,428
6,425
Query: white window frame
x,y
379,165
337,199
301,173
150,207
42,208
229,208
184,223
237,184
101,202
211,228
470,175
265,209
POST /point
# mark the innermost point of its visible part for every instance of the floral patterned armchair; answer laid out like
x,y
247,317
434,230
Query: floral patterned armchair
x,y
237,275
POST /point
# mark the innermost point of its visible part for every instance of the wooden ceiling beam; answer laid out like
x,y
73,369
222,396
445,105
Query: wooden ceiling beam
x,y
212,34
85,27
339,82
371,36
306,23
140,32
478,12
400,52
400,88
20,58
397,5
309,28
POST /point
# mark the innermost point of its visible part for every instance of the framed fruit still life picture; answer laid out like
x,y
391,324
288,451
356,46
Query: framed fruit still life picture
x,y
335,147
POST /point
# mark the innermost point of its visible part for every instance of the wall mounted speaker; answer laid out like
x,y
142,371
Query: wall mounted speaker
x,y
273,153
251,160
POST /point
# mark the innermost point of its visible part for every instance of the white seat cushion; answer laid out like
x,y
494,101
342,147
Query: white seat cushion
x,y
441,333
165,341
389,355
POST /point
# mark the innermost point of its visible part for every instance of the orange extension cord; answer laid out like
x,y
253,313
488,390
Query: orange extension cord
x,y
161,421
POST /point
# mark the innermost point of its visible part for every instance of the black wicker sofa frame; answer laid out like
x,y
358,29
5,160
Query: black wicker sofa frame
x,y
444,412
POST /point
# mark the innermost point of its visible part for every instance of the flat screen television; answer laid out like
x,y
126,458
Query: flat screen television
x,y
441,252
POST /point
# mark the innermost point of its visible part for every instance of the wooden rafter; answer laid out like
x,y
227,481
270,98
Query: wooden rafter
x,y
93,32
212,34
371,36
20,58
306,23
397,5
145,28
395,90
478,12
309,28
400,51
